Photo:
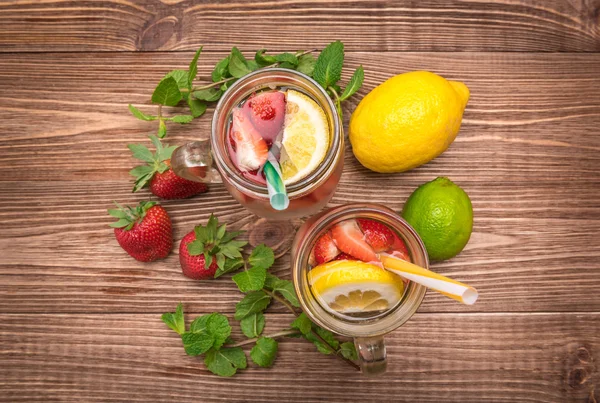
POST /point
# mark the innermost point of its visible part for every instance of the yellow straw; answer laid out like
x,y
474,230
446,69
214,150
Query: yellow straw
x,y
444,285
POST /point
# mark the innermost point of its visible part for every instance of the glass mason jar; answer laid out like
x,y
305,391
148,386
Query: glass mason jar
x,y
367,333
194,161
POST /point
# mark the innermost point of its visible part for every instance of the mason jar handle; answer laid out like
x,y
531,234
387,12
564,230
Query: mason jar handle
x,y
194,161
371,355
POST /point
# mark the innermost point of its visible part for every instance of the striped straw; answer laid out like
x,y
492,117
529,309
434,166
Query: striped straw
x,y
444,285
275,186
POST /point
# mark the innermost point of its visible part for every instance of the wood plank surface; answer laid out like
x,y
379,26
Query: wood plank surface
x,y
433,358
527,154
80,319
379,25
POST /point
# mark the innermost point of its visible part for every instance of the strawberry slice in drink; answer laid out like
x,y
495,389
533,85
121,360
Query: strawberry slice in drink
x,y
377,234
325,249
267,113
399,249
251,150
349,239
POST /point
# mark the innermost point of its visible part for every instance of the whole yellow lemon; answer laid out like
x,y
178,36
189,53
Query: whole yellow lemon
x,y
407,121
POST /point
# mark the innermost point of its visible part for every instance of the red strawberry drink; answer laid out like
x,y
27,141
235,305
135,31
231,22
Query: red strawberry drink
x,y
341,283
345,274
277,117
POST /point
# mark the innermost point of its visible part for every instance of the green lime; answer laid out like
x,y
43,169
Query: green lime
x,y
442,214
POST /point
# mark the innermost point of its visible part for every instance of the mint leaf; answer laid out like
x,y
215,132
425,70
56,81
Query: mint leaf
x,y
175,320
180,76
250,280
283,287
220,72
199,325
209,94
167,92
182,119
262,256
237,64
193,69
348,350
354,84
214,324
253,302
229,266
226,361
141,152
288,58
263,59
218,327
197,107
141,115
162,129
302,323
264,352
327,336
232,249
252,65
253,325
328,68
197,343
306,64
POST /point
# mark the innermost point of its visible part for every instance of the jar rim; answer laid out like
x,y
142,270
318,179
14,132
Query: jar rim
x,y
241,89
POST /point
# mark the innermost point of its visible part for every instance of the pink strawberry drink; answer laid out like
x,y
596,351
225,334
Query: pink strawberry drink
x,y
355,240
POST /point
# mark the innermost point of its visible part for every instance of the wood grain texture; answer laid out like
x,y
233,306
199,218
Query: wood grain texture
x,y
527,154
379,25
433,358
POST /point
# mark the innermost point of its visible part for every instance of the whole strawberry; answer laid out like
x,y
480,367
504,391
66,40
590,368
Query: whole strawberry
x,y
145,232
209,251
157,173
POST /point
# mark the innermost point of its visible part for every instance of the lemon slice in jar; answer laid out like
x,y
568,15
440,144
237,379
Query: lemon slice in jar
x,y
352,286
306,137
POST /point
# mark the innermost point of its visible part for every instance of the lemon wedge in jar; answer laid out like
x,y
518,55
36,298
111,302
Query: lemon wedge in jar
x,y
306,137
352,286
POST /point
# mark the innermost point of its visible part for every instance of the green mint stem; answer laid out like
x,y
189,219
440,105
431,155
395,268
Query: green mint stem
x,y
282,300
283,333
338,101
322,340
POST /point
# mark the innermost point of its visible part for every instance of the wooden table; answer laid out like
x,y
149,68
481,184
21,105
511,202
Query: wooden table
x,y
80,320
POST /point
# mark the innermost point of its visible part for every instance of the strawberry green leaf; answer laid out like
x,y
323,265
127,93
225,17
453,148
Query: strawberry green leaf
x,y
141,152
253,302
264,352
123,222
251,280
348,350
221,70
175,320
226,361
141,115
253,325
306,64
117,213
328,68
262,256
197,107
141,170
167,92
302,323
197,343
193,69
354,84
229,266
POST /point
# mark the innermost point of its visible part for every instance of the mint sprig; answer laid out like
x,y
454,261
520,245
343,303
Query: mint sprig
x,y
178,85
210,334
